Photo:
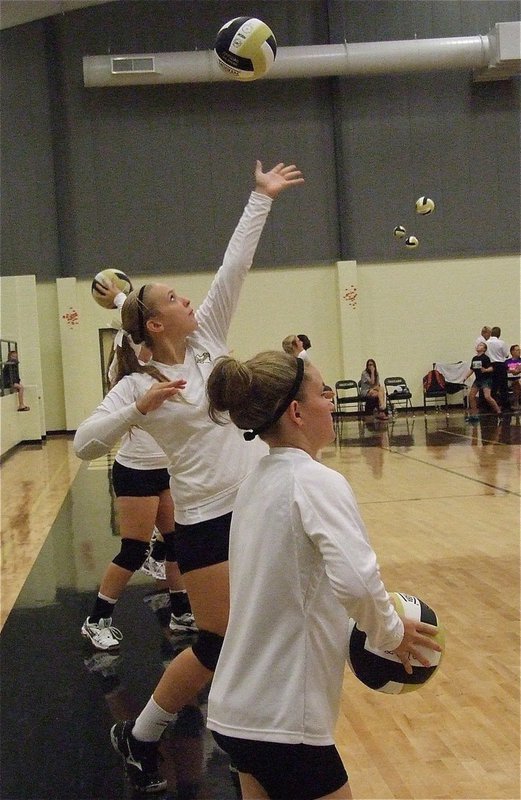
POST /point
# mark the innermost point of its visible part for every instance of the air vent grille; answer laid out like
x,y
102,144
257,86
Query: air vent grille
x,y
132,64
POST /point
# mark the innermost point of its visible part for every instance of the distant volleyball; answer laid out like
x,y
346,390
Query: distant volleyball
x,y
104,279
424,205
411,242
245,48
399,232
382,670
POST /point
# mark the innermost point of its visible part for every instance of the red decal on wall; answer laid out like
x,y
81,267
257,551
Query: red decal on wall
x,y
71,317
351,295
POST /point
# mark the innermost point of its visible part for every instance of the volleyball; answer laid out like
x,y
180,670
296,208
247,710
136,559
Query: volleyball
x,y
399,232
105,278
424,205
411,242
382,670
245,48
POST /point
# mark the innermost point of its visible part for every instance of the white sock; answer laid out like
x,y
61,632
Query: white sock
x,y
151,723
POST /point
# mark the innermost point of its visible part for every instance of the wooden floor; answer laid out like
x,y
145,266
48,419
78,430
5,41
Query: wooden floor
x,y
442,505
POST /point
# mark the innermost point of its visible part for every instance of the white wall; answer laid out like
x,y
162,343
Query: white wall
x,y
405,315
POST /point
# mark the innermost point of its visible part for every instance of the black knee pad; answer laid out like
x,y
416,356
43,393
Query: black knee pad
x,y
132,554
170,554
207,648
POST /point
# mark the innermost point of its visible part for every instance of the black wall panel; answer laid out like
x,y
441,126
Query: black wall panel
x,y
153,178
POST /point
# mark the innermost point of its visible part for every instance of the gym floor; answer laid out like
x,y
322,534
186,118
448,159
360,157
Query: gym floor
x,y
440,499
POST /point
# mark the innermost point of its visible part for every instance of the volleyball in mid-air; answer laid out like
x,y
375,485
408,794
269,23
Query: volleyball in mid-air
x,y
382,670
424,205
105,278
399,232
245,48
411,242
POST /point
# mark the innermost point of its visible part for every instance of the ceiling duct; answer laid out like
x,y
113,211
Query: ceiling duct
x,y
494,56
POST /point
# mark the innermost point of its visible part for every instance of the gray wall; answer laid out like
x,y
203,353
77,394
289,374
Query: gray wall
x,y
152,179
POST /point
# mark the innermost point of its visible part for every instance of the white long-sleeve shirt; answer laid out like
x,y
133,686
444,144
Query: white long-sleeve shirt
x,y
137,449
207,462
300,566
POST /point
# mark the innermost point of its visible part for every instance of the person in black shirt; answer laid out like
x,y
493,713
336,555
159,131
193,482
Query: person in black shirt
x,y
11,378
482,368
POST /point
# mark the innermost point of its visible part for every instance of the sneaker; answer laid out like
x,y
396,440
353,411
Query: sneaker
x,y
140,759
101,634
183,624
158,599
156,569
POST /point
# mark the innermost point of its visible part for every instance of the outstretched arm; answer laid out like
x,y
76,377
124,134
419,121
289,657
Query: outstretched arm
x,y
277,179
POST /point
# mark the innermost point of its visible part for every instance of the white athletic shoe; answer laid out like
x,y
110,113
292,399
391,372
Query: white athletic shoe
x,y
101,634
154,568
183,624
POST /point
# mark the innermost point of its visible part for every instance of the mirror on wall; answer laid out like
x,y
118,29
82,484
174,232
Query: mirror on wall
x,y
8,366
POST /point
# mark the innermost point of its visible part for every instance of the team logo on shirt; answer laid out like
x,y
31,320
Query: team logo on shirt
x,y
202,358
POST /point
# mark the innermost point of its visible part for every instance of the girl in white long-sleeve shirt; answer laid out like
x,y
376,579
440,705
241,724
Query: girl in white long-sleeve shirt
x,y
207,463
141,484
297,545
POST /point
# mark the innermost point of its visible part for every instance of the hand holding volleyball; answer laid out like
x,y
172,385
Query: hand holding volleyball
x,y
412,663
105,283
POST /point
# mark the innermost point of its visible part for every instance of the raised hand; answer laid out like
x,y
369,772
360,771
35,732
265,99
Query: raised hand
x,y
277,179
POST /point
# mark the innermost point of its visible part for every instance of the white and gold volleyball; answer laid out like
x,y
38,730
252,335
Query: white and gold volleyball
x,y
104,279
245,48
411,242
399,232
382,670
424,205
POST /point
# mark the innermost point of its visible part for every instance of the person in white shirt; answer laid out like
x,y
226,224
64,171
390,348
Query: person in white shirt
x,y
297,544
141,484
498,353
484,336
207,463
293,344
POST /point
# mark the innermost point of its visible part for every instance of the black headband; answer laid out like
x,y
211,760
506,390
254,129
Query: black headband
x,y
250,435
140,320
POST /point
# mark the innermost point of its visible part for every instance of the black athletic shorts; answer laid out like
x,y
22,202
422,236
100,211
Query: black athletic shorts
x,y
129,482
203,544
287,771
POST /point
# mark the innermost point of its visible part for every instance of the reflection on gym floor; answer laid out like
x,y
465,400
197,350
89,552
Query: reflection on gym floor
x,y
60,698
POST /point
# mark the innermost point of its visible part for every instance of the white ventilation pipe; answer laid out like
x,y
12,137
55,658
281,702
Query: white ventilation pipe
x,y
313,61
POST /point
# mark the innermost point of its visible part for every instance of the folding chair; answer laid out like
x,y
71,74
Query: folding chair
x,y
397,393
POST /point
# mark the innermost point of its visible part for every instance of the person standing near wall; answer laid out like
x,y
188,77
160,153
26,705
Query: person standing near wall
x,y
484,336
207,463
11,378
513,365
498,353
482,369
306,344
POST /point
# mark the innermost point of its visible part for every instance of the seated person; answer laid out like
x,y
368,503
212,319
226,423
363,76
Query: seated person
x,y
481,367
370,389
513,365
11,378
